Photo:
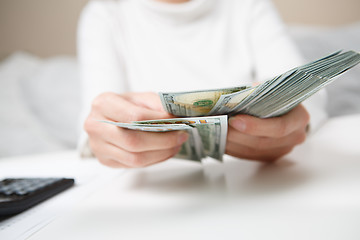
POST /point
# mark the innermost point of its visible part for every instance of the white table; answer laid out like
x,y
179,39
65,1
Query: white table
x,y
313,193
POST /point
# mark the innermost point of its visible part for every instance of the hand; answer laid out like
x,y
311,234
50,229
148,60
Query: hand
x,y
266,139
118,147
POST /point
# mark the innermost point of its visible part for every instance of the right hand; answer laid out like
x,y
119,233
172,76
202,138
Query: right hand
x,y
118,147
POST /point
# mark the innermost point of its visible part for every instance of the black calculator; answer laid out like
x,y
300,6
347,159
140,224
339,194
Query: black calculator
x,y
19,194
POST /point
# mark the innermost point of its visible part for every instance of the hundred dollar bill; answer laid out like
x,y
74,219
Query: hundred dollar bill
x,y
192,149
227,102
272,98
150,127
284,92
212,131
207,135
213,135
197,103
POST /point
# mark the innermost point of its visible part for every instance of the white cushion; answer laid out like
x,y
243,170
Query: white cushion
x,y
39,102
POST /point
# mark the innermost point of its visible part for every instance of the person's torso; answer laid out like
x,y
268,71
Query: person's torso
x,y
187,51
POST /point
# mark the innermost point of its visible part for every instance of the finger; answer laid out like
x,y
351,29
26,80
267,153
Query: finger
x,y
110,153
101,151
266,155
148,100
271,127
136,141
116,108
262,143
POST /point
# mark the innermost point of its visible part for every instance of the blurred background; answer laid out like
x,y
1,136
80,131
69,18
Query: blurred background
x,y
39,83
48,27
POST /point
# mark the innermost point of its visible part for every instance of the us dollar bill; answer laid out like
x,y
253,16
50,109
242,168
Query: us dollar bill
x,y
150,127
196,103
213,135
271,98
212,131
192,149
207,135
228,102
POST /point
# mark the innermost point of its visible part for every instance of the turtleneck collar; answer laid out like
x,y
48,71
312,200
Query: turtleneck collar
x,y
178,12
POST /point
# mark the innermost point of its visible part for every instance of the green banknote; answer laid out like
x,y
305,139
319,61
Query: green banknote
x,y
197,103
271,98
207,135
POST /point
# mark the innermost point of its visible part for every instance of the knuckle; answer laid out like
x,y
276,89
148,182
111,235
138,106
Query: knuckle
x,y
132,141
231,135
93,147
103,161
261,143
102,99
305,115
251,126
135,160
306,118
286,151
107,162
96,148
172,139
301,138
90,126
249,152
282,130
97,102
137,116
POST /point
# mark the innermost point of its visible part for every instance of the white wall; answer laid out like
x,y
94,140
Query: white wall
x,y
48,27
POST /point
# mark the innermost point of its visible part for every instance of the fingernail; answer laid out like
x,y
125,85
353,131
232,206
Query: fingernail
x,y
237,124
183,136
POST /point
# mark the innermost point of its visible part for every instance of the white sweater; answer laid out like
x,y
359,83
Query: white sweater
x,y
144,45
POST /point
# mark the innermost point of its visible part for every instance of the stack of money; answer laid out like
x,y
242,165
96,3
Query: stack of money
x,y
272,98
207,135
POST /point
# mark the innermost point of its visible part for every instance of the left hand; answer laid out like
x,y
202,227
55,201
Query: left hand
x,y
268,139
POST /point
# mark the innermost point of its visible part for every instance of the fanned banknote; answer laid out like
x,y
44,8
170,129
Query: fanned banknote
x,y
207,135
272,98
197,103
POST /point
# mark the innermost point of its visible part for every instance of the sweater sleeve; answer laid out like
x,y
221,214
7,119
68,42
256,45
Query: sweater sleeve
x,y
274,52
101,64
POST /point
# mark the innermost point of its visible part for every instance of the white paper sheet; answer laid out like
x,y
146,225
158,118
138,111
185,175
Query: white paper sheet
x,y
89,175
